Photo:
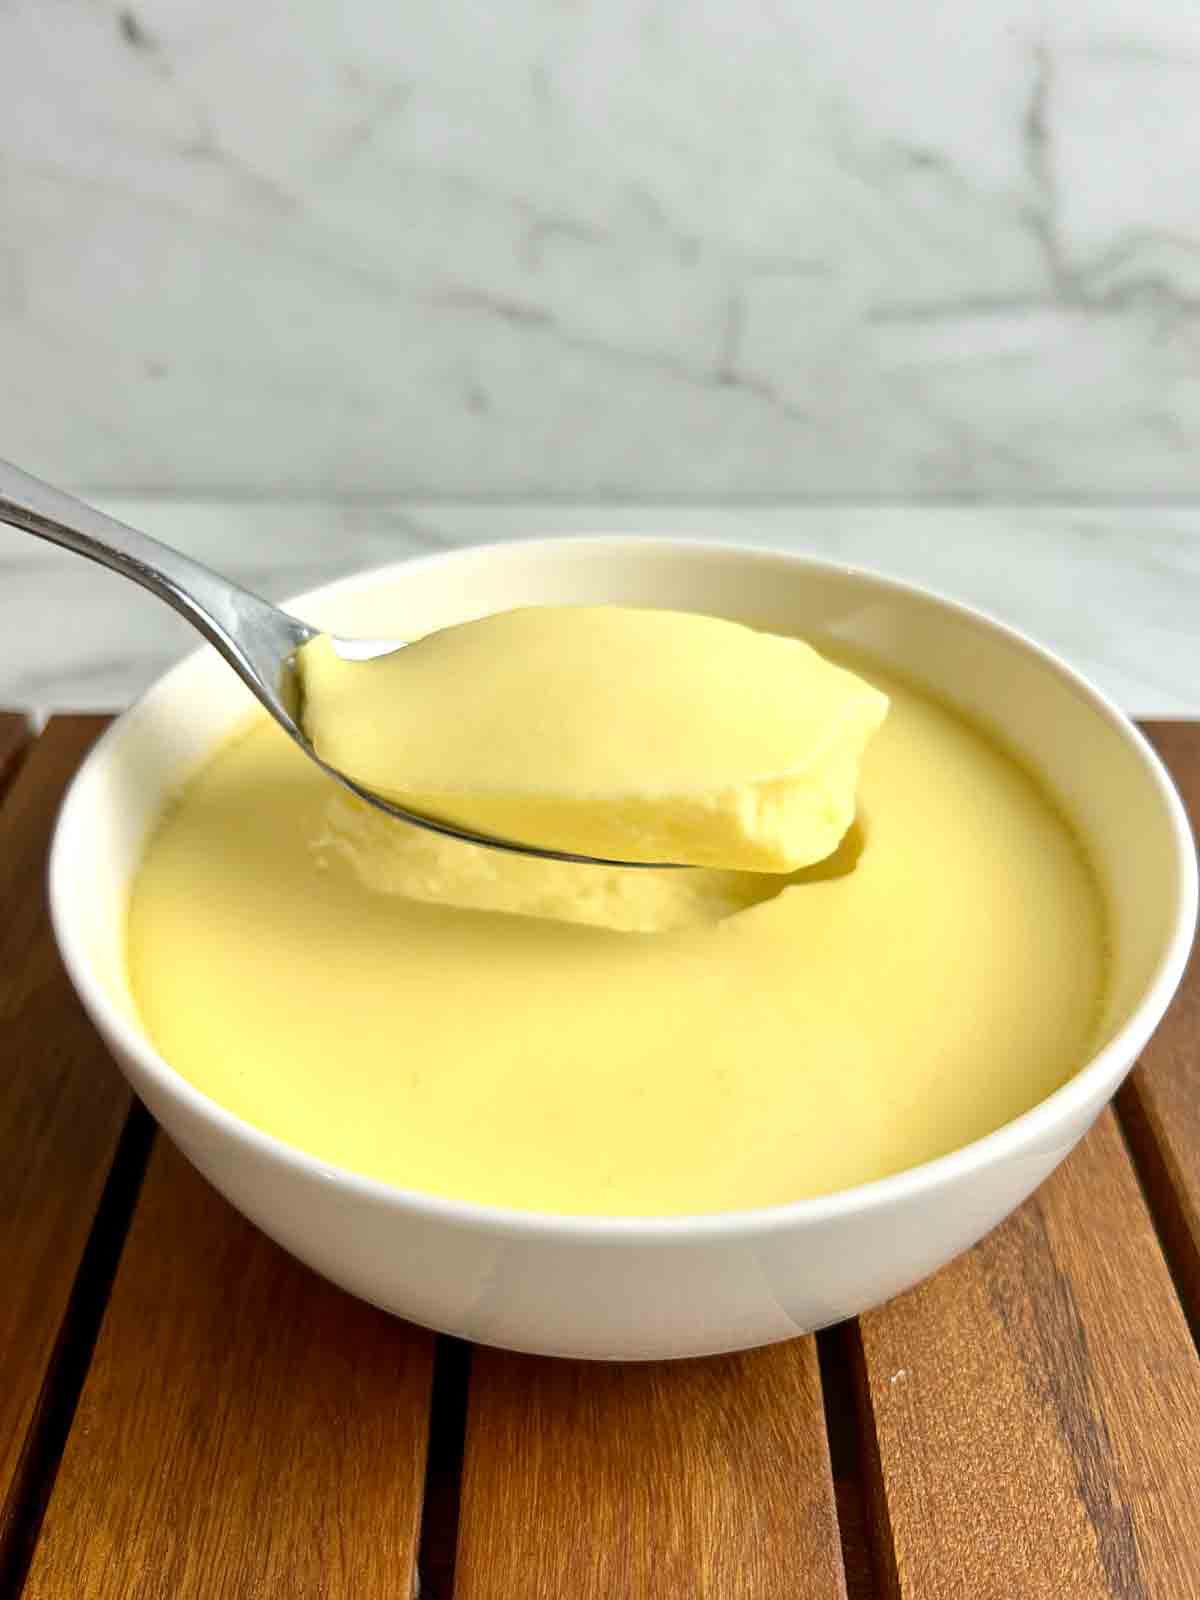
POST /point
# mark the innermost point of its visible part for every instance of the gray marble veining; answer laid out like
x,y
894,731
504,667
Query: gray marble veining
x,y
1117,592
649,248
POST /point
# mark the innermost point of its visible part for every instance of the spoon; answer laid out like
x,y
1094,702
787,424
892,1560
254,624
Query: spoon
x,y
257,639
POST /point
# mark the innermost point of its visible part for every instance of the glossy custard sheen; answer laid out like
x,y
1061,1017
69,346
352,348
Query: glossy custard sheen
x,y
778,1037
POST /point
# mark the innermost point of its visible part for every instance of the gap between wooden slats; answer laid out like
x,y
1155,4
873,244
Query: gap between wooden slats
x,y
15,734
63,1107
837,1349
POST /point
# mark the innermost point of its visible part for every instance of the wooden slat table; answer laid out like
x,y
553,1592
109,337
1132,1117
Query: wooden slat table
x,y
187,1412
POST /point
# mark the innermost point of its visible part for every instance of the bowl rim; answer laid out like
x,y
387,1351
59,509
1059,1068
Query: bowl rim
x,y
1093,1083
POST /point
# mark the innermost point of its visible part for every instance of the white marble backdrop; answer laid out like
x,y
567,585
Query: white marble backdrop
x,y
541,248
1115,590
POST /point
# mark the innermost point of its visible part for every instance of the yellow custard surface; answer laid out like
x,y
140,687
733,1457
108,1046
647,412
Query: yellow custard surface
x,y
649,1043
610,731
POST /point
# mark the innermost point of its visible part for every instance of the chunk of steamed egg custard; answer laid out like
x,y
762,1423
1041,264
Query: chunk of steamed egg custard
x,y
635,735
893,943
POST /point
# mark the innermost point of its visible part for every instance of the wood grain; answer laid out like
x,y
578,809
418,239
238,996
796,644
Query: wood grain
x,y
1035,1408
62,1110
246,1429
708,1480
1160,1102
15,734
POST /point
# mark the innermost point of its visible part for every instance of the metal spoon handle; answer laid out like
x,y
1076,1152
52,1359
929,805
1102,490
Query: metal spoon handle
x,y
250,633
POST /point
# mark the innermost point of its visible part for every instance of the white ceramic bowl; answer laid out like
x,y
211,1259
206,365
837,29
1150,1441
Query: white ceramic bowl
x,y
634,1288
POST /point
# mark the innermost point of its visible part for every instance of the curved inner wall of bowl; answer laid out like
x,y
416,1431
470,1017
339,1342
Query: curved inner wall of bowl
x,y
1083,756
